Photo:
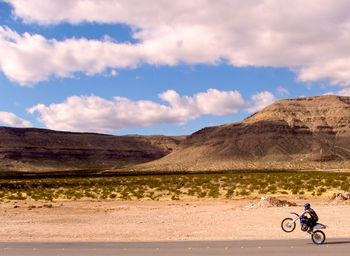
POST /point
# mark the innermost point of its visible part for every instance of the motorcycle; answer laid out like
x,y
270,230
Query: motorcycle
x,y
318,236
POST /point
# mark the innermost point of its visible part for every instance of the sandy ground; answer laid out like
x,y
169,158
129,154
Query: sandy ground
x,y
159,220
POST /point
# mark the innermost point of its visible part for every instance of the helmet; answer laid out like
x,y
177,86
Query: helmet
x,y
307,206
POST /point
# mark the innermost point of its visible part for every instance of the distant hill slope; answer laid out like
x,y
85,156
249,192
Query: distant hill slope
x,y
301,133
29,149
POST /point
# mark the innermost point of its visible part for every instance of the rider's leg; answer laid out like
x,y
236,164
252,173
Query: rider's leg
x,y
312,224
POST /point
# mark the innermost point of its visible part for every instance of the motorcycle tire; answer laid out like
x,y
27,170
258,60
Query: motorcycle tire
x,y
285,225
318,237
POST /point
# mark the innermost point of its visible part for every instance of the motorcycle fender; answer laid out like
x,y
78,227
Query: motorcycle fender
x,y
319,226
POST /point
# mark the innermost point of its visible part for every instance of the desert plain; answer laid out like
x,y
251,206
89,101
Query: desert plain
x,y
115,220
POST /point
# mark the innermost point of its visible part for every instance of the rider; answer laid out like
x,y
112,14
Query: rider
x,y
313,216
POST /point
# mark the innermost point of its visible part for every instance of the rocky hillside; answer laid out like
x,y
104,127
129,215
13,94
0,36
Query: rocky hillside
x,y
23,149
312,132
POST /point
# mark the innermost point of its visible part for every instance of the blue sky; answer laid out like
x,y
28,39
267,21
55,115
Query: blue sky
x,y
163,68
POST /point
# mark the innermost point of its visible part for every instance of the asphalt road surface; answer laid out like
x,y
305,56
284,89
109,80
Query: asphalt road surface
x,y
245,247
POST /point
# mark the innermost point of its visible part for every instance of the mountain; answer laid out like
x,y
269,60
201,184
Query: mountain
x,y
30,149
301,133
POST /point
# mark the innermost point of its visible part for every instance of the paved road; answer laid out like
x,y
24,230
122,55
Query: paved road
x,y
265,247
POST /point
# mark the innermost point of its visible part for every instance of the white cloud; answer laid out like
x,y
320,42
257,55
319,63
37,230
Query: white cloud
x,y
327,93
342,92
31,58
282,91
13,120
113,73
92,113
310,37
261,100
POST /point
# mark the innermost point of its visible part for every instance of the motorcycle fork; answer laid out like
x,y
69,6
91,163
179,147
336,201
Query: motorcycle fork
x,y
294,221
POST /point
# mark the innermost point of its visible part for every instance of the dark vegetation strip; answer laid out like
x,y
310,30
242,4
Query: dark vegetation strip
x,y
110,173
175,186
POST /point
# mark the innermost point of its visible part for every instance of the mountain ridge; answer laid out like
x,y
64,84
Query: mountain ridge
x,y
300,133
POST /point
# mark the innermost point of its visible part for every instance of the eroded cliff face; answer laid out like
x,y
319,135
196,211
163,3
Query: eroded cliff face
x,y
40,149
317,128
327,113
321,125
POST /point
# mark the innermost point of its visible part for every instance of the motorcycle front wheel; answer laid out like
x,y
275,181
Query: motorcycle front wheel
x,y
318,237
287,225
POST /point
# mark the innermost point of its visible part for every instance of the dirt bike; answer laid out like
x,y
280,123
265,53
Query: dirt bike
x,y
318,237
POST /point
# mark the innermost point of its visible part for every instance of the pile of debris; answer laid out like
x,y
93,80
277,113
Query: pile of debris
x,y
271,202
342,198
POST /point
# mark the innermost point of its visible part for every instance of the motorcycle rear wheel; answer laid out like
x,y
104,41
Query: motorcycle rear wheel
x,y
286,226
318,237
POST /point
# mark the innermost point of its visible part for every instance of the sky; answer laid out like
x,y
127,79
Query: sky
x,y
165,67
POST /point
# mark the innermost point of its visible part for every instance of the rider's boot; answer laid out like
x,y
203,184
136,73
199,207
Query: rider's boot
x,y
310,230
